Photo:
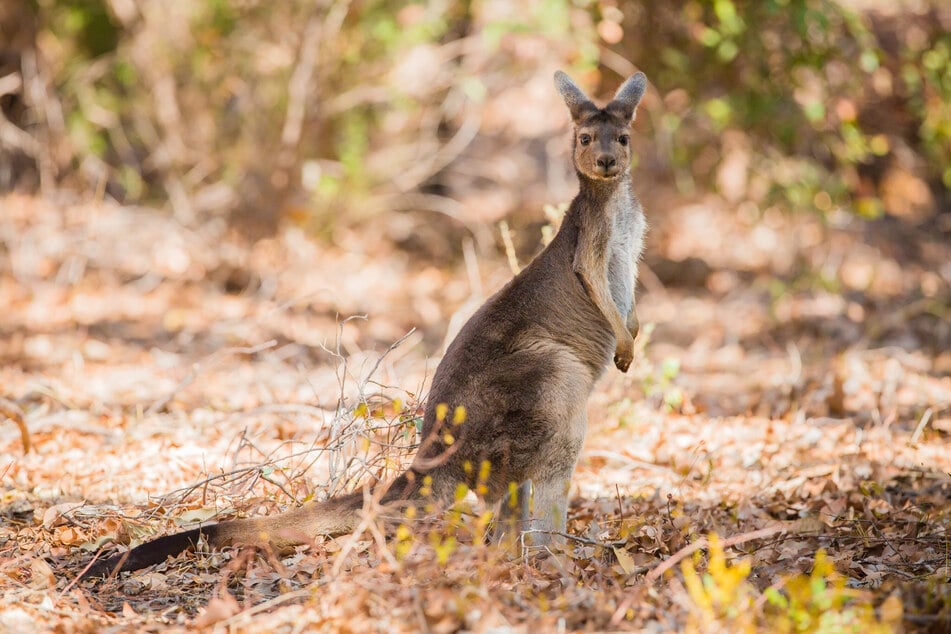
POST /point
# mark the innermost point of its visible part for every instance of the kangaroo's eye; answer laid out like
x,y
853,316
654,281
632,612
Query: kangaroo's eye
x,y
623,139
585,139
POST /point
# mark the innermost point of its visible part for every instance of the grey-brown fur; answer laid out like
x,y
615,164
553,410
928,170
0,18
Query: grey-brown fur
x,y
522,367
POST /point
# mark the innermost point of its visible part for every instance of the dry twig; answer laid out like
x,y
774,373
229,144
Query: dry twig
x,y
13,412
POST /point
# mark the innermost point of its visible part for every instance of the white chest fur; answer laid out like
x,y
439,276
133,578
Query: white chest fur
x,y
624,248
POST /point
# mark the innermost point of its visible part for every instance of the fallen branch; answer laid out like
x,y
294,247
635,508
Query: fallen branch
x,y
703,542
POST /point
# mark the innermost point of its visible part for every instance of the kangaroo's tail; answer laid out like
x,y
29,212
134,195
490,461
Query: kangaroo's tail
x,y
335,516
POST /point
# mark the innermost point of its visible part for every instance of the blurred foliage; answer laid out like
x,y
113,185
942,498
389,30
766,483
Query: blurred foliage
x,y
212,103
816,97
310,110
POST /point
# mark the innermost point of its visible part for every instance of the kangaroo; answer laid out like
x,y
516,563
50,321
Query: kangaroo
x,y
521,369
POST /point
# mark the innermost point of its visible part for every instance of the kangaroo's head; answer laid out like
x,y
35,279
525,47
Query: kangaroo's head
x,y
602,142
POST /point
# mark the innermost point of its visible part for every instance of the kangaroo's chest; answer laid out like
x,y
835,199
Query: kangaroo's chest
x,y
624,249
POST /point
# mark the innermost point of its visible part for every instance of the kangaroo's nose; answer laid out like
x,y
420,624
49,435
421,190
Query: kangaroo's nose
x,y
606,161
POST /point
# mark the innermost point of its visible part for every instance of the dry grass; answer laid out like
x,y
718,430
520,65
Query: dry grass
x,y
167,374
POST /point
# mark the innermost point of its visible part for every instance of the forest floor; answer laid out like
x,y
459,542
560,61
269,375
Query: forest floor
x,y
792,395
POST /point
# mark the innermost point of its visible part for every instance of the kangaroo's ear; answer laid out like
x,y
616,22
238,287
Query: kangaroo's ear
x,y
577,102
628,96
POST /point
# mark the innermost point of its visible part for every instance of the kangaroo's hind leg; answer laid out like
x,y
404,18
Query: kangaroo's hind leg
x,y
513,516
534,515
535,512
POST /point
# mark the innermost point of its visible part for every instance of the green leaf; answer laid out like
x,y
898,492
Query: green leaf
x,y
814,111
727,51
868,60
776,598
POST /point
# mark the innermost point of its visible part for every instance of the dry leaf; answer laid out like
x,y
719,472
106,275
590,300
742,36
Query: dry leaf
x,y
222,607
54,514
41,575
198,515
892,609
67,535
625,560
